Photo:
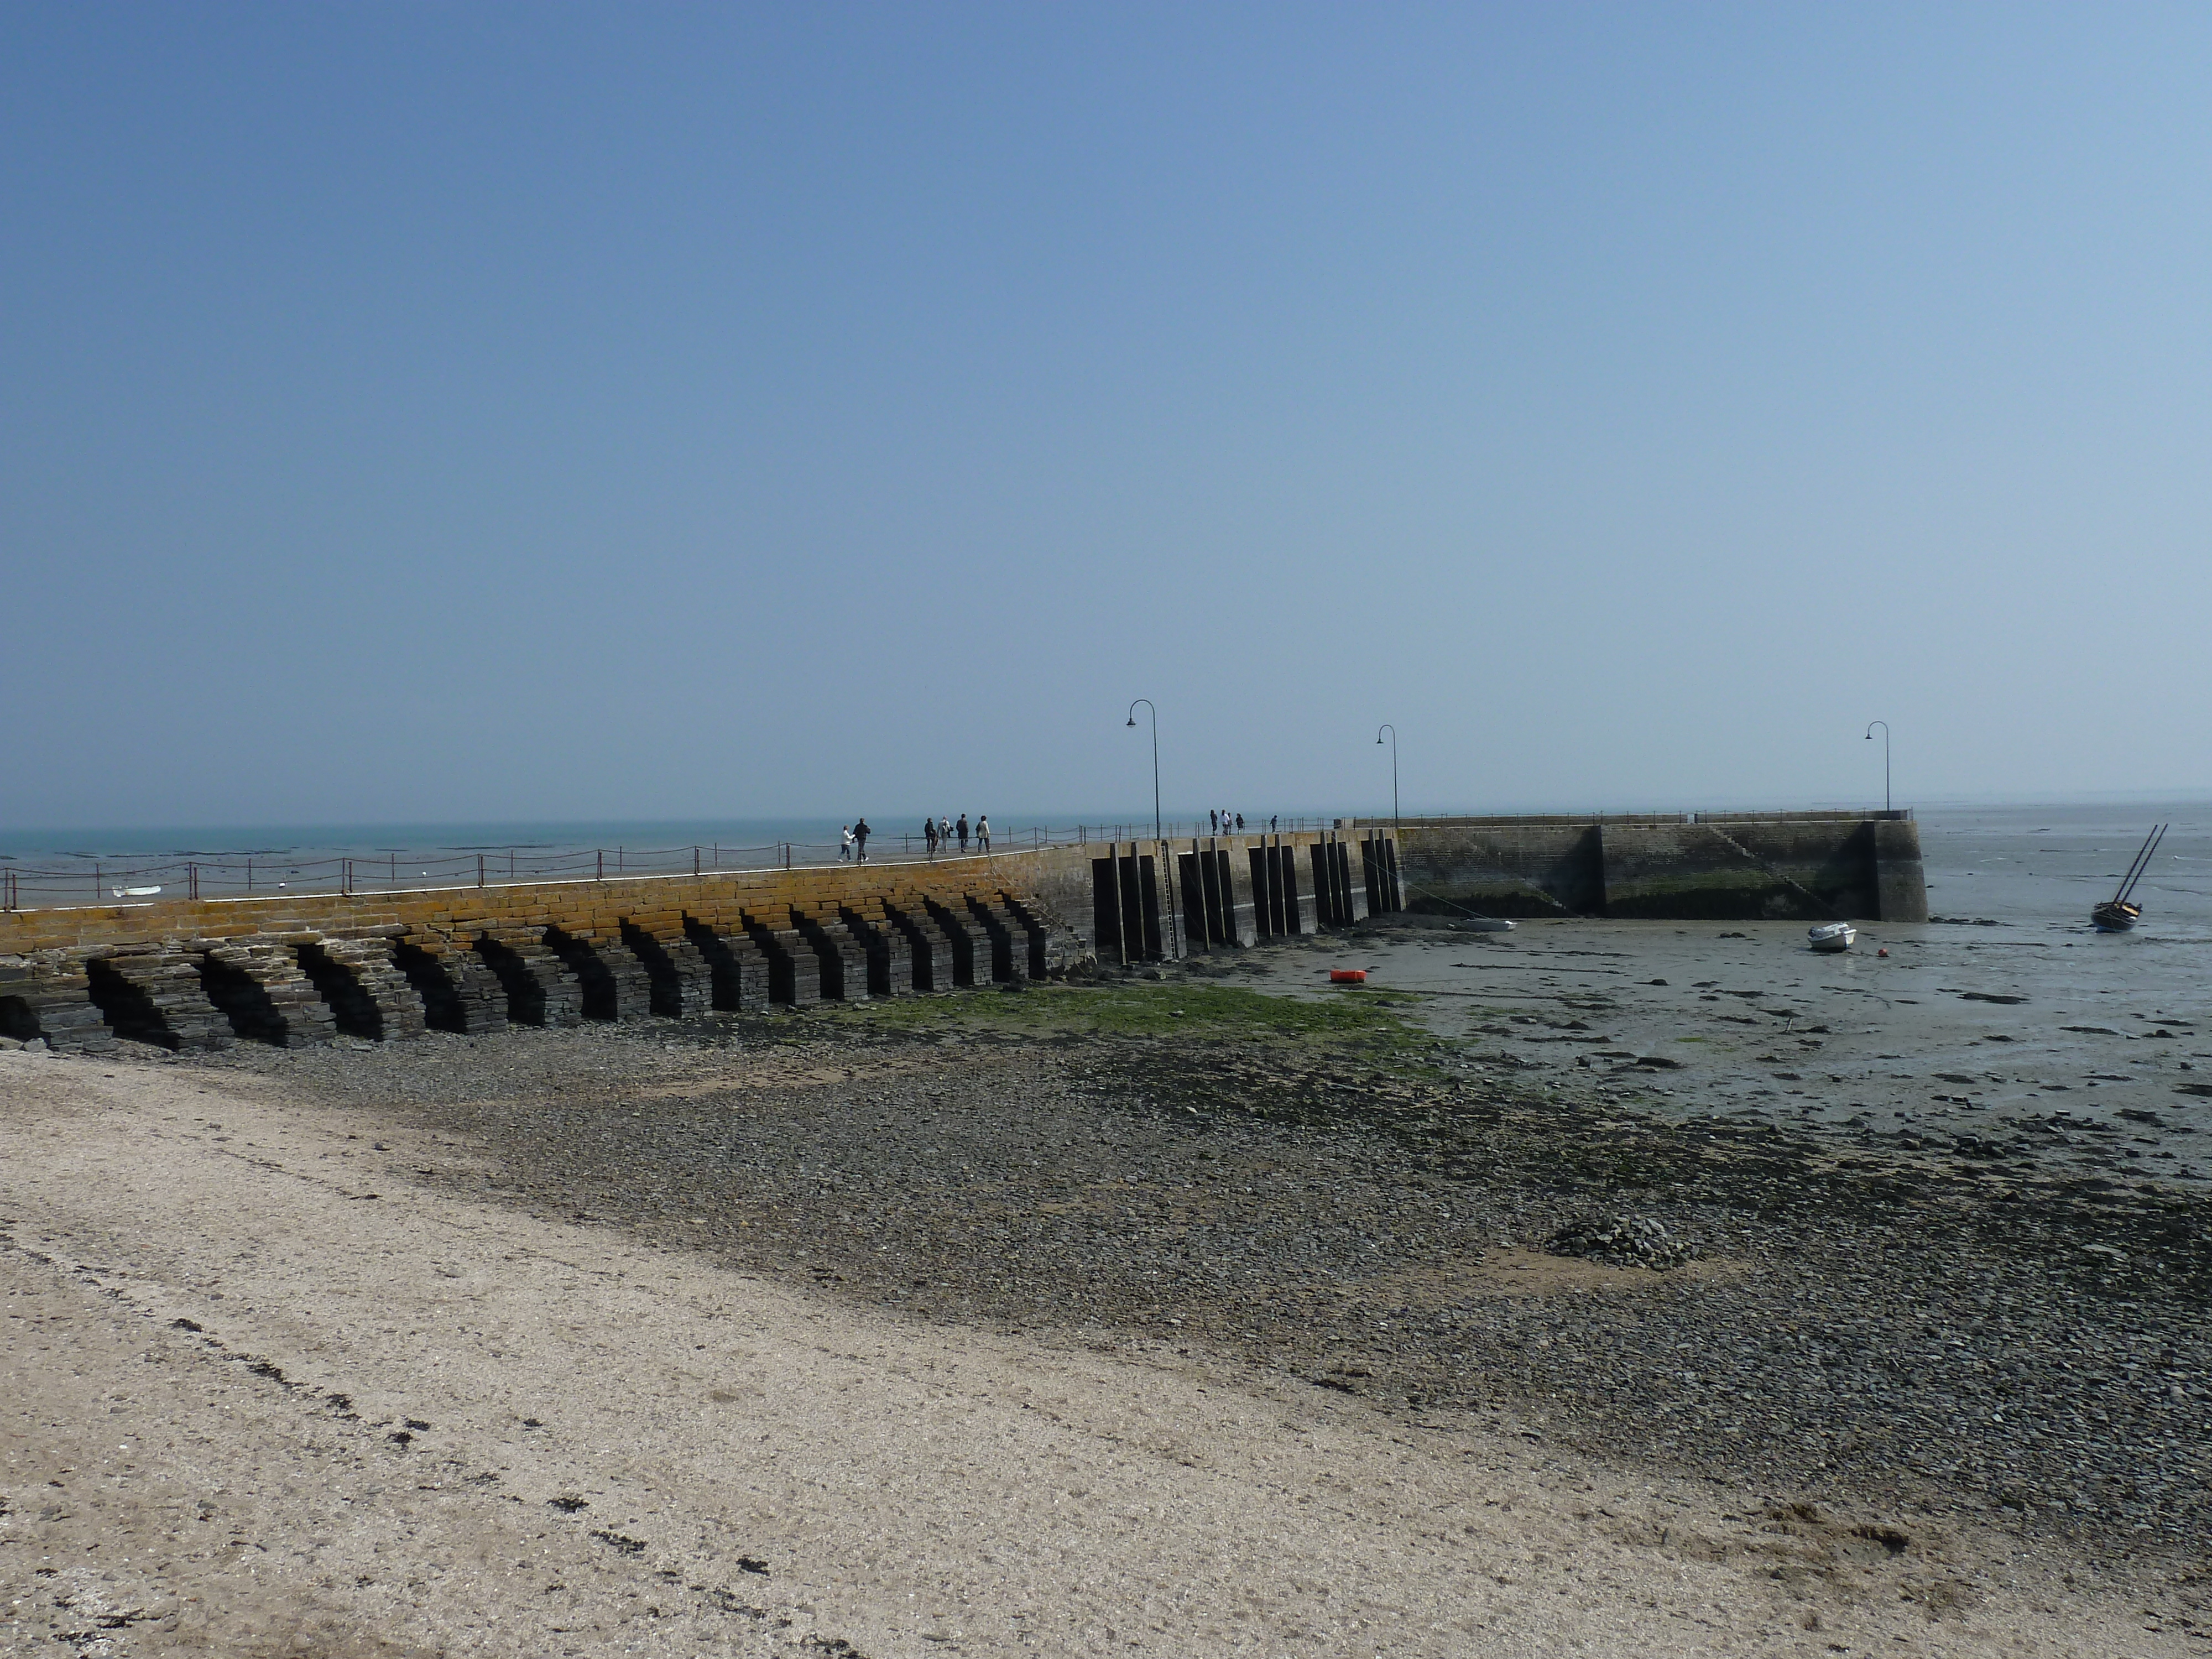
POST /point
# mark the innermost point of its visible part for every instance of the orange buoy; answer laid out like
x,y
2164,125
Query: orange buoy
x,y
1883,951
1347,976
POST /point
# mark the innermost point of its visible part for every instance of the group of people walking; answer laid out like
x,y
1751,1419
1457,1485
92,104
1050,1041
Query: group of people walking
x,y
940,834
943,834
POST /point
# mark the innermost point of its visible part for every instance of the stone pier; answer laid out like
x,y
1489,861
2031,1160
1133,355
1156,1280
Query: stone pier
x,y
296,969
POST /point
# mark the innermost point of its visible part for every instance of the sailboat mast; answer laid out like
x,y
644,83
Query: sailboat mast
x,y
2135,867
2149,848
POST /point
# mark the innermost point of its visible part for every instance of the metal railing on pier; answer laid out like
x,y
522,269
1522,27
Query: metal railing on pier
x,y
55,881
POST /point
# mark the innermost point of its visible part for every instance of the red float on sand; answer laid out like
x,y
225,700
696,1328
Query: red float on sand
x,y
1347,976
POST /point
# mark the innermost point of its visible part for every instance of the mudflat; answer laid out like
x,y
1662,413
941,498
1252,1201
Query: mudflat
x,y
2055,1053
1157,1315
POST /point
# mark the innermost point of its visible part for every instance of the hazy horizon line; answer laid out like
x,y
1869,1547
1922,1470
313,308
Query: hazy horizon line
x,y
1068,819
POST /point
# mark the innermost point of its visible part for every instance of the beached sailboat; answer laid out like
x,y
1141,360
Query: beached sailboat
x,y
2117,914
1832,936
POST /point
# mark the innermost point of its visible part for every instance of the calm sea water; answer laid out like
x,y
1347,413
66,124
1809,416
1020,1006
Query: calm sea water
x,y
365,840
2047,865
83,867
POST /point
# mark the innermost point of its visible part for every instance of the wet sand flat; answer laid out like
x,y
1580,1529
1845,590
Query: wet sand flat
x,y
2088,1053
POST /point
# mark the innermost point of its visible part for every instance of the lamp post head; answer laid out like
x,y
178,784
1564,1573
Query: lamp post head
x,y
1132,721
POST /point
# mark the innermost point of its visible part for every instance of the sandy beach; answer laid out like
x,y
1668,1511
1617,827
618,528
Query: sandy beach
x,y
960,1325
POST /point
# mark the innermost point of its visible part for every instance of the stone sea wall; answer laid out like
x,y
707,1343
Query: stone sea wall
x,y
1808,867
300,968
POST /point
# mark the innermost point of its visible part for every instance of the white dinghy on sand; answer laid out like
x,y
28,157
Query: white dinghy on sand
x,y
1832,936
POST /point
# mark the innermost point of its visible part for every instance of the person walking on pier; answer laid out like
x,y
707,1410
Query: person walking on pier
x,y
982,833
944,831
860,834
844,841
929,835
1214,814
961,830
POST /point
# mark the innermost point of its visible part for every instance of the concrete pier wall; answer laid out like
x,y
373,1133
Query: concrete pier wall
x,y
292,970
1130,902
1705,866
299,969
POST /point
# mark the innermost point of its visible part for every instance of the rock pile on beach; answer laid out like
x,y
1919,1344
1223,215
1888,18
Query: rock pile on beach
x,y
1622,1242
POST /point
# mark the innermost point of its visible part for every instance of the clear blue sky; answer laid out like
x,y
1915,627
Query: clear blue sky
x,y
433,413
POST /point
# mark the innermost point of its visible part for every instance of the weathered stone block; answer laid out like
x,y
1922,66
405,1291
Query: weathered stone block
x,y
153,994
261,990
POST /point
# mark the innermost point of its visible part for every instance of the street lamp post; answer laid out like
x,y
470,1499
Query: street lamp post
x,y
1393,731
1157,834
1159,831
1885,757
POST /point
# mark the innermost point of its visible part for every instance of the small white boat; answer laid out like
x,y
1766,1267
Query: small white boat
x,y
1832,936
